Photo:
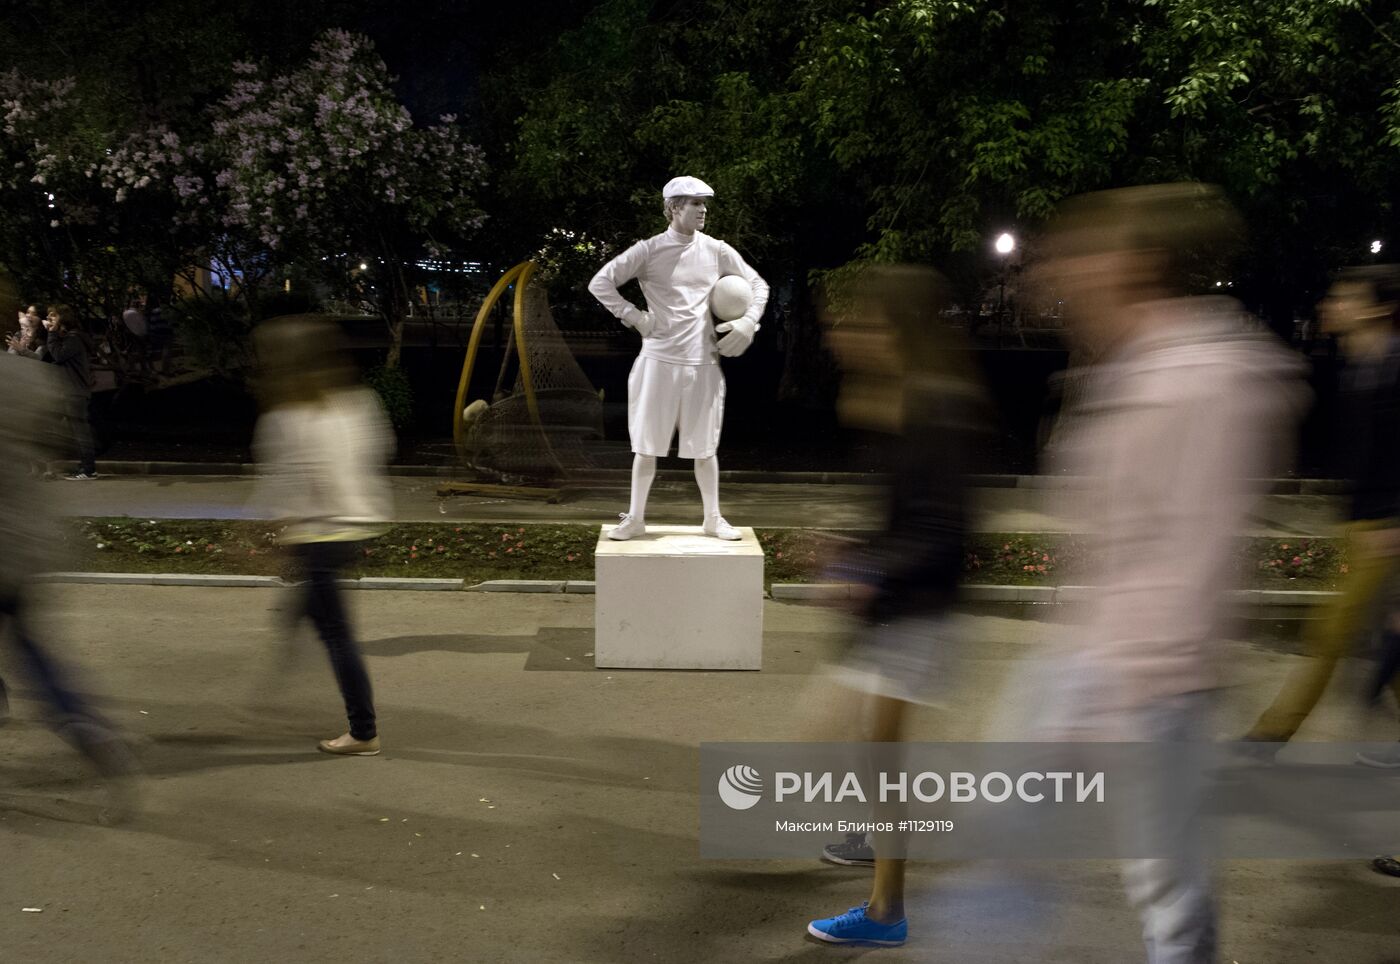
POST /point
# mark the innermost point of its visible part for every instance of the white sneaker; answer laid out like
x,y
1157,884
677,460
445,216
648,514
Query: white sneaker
x,y
717,527
628,527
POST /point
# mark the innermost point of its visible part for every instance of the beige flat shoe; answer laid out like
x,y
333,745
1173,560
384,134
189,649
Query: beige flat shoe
x,y
347,745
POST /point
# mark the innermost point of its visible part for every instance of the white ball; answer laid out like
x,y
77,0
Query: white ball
x,y
730,297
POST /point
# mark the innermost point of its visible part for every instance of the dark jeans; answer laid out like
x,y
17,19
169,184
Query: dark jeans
x,y
72,718
37,664
1388,668
321,564
75,413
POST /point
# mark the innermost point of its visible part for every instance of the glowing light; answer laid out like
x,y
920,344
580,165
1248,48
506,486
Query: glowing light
x,y
1376,247
1005,243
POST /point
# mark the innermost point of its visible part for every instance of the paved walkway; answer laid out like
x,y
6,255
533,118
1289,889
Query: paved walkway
x,y
528,807
755,504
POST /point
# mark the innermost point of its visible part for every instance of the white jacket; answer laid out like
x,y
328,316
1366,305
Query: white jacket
x,y
676,273
322,467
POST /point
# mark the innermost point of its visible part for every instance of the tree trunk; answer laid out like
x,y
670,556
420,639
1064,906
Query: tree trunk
x,y
395,311
391,360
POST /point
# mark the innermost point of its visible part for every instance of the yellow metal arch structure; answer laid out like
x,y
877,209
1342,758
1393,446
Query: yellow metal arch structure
x,y
519,276
527,378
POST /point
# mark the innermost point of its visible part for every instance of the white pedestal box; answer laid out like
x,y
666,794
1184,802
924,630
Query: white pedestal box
x,y
676,598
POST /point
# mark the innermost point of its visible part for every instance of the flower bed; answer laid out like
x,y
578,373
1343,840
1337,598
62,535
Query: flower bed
x,y
480,551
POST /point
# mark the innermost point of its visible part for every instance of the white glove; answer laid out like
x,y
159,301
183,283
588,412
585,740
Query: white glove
x,y
642,321
739,337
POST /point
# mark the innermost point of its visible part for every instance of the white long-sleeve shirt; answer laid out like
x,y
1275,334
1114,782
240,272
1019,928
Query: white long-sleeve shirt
x,y
322,467
677,273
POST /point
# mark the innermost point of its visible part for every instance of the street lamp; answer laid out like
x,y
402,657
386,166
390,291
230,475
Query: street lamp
x,y
1004,245
1376,247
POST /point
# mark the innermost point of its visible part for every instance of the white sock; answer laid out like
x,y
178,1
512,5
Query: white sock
x,y
643,474
707,477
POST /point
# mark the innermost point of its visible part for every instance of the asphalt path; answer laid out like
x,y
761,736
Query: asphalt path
x,y
528,807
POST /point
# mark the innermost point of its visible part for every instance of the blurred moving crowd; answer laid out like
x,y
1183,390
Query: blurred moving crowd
x,y
1182,405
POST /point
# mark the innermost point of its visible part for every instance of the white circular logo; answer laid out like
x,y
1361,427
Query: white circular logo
x,y
740,787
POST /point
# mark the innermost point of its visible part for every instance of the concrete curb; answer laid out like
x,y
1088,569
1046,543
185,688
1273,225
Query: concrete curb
x,y
175,468
813,590
519,585
409,583
99,578
732,477
158,579
1261,603
239,582
231,582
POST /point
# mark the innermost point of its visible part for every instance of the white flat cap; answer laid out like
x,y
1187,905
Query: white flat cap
x,y
686,186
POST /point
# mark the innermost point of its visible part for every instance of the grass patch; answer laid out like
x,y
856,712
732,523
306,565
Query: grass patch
x,y
481,551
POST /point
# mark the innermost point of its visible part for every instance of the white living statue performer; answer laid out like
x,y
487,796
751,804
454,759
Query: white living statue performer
x,y
676,382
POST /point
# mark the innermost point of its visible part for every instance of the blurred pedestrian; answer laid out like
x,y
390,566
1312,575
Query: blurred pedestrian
x,y
322,445
1185,406
904,382
33,399
1361,310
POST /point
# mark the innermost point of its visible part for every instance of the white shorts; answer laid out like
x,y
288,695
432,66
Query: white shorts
x,y
662,397
913,659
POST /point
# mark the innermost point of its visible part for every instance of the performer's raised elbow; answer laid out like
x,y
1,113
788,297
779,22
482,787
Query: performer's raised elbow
x,y
601,285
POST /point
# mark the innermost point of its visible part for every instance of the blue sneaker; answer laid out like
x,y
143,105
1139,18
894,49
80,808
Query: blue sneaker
x,y
853,927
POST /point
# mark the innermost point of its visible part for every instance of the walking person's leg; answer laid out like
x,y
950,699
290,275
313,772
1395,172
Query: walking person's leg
x,y
1386,676
325,606
71,717
41,668
886,904
1174,895
1327,640
896,665
1176,900
881,919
